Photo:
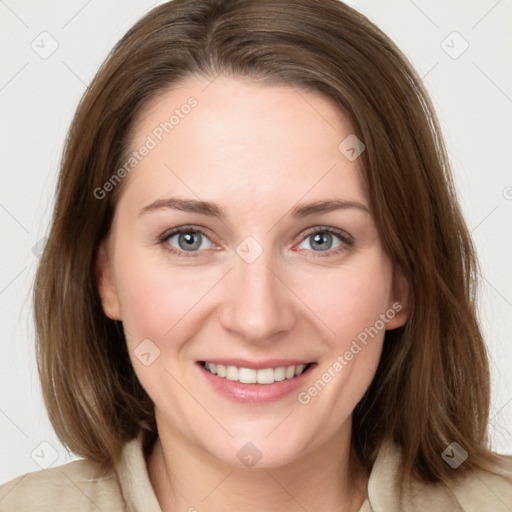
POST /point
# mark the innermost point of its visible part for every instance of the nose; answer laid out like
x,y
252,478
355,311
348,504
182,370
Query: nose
x,y
257,304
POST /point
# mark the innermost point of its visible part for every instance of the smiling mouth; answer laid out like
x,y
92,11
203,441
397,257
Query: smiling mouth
x,y
253,376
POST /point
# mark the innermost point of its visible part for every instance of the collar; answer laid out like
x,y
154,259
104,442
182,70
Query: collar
x,y
383,485
134,478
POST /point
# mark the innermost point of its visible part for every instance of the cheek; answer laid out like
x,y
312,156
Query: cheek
x,y
351,299
152,299
350,303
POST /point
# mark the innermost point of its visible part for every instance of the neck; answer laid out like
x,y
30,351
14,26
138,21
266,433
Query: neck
x,y
185,477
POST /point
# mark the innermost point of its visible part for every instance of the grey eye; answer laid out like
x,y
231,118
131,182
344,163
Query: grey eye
x,y
322,241
189,240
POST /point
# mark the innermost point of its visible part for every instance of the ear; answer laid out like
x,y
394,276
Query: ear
x,y
106,285
401,301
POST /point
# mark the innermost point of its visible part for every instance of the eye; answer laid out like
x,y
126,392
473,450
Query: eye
x,y
189,240
321,239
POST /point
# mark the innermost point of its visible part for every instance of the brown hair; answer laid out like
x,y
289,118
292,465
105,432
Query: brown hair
x,y
432,384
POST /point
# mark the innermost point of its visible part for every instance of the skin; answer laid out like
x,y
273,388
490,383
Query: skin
x,y
256,150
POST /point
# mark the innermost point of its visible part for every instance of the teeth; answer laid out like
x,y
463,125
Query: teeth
x,y
247,375
251,376
231,373
280,373
299,369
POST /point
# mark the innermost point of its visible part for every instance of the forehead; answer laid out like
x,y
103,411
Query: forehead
x,y
234,141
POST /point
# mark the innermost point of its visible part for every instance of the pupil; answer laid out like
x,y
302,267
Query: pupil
x,y
189,239
319,238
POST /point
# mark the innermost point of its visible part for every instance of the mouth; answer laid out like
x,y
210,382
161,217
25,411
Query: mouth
x,y
262,375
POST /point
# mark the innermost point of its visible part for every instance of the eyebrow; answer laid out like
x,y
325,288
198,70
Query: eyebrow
x,y
214,210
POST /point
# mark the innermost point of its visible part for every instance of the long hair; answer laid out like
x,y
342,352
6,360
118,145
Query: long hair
x,y
432,384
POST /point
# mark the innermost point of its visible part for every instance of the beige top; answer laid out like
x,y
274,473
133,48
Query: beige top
x,y
82,486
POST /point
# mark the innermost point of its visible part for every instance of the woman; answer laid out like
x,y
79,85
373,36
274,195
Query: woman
x,y
196,343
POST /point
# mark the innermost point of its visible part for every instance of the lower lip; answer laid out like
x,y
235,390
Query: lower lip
x,y
255,393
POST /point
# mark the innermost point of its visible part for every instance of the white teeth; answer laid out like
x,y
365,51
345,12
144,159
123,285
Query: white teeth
x,y
265,376
280,373
247,375
290,372
251,376
231,373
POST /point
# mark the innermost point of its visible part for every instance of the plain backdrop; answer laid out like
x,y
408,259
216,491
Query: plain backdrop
x,y
460,48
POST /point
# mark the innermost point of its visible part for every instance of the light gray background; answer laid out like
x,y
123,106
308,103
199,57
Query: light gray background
x,y
38,96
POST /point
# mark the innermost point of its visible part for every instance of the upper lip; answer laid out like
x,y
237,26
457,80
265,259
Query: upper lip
x,y
256,365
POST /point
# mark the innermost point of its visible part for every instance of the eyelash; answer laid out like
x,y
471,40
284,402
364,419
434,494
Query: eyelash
x,y
346,240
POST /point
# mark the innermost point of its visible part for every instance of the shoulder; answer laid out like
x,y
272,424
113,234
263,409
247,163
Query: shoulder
x,y
78,485
484,491
476,491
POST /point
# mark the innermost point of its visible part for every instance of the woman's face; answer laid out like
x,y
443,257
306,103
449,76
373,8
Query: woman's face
x,y
260,281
